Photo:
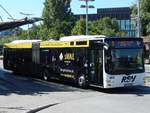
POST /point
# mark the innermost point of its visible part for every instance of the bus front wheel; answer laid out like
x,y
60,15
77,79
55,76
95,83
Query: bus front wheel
x,y
45,75
82,81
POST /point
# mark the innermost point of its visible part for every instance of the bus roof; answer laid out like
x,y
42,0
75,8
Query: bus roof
x,y
24,41
81,37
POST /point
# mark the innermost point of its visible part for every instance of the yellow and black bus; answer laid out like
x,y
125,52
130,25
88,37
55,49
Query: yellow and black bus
x,y
86,60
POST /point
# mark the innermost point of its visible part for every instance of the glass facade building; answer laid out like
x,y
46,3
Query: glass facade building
x,y
126,25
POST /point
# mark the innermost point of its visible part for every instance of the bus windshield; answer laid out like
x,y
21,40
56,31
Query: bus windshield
x,y
125,61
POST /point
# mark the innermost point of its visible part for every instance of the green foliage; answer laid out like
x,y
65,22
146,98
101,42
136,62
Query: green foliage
x,y
43,32
58,18
7,39
79,28
15,36
148,29
145,16
133,9
34,32
104,26
56,10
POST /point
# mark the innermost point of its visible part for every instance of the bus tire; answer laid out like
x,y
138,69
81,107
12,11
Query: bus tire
x,y
82,81
45,75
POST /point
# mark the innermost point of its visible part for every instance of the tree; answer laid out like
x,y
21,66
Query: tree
x,y
148,29
58,18
79,28
145,16
33,32
43,32
105,26
56,10
7,39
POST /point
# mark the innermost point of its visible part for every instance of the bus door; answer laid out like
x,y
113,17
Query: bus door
x,y
96,67
35,56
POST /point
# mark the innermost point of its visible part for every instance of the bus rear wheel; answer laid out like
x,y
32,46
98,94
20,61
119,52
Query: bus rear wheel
x,y
82,81
45,75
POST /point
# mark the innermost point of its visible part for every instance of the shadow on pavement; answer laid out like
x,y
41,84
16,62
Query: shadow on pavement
x,y
136,90
10,84
12,108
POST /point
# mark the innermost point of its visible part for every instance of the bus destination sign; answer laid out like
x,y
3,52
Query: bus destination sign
x,y
125,44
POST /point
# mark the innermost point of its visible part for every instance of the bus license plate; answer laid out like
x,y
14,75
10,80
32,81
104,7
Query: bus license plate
x,y
129,84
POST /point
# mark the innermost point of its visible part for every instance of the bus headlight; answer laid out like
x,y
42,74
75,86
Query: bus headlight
x,y
111,79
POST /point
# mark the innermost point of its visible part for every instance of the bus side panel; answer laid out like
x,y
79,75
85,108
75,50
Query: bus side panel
x,y
23,61
27,65
18,60
7,59
64,63
10,58
71,62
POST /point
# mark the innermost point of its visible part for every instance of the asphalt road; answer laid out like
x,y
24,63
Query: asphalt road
x,y
27,95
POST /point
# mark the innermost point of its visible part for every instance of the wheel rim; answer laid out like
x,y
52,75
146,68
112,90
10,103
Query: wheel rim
x,y
45,76
81,81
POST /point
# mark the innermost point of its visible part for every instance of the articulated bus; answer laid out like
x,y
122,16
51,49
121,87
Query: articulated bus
x,y
85,60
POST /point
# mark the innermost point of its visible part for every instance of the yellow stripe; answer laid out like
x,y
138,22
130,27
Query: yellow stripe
x,y
60,45
29,45
46,44
54,44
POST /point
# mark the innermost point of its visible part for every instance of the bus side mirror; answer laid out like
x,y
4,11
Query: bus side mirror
x,y
106,47
107,50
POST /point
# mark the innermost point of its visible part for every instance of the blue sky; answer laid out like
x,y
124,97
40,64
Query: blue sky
x,y
35,7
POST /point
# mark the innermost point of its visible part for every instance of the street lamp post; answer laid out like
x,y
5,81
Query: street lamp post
x,y
87,7
87,32
138,19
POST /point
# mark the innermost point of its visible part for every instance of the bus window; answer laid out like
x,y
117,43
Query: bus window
x,y
125,61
